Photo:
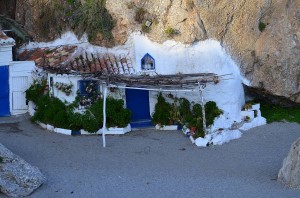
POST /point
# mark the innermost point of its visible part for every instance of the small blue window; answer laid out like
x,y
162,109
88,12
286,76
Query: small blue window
x,y
148,62
87,87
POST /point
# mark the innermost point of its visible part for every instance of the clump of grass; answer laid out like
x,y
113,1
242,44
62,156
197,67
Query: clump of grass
x,y
130,5
276,113
140,15
145,28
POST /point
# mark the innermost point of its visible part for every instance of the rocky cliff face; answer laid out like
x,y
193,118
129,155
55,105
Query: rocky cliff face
x,y
263,36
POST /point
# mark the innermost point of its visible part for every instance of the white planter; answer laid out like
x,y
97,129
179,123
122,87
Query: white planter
x,y
248,113
83,132
63,131
166,127
192,139
115,130
201,142
44,126
256,107
49,127
31,107
110,131
258,121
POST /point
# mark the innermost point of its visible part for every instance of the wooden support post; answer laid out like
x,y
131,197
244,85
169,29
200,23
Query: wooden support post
x,y
201,87
104,117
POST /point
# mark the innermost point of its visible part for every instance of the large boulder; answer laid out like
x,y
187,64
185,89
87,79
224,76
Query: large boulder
x,y
17,177
290,171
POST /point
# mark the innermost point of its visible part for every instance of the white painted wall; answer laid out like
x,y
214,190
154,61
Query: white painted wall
x,y
64,79
202,57
5,55
20,78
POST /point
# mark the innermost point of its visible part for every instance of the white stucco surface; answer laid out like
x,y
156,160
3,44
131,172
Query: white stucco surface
x,y
5,55
202,57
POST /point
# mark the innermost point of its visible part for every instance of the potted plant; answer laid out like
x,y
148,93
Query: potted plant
x,y
174,112
185,113
161,115
193,125
75,120
66,88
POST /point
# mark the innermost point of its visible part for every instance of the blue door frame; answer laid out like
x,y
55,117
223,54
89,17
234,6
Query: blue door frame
x,y
137,101
4,91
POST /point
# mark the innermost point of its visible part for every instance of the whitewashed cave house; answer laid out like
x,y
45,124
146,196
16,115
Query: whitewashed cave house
x,y
81,65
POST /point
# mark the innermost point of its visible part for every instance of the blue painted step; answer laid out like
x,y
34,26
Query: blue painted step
x,y
141,124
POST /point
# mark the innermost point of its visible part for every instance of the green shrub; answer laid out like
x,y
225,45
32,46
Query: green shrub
x,y
35,91
41,107
75,120
211,112
170,32
185,110
97,110
61,120
90,123
197,116
162,110
116,114
50,110
261,26
181,108
174,111
71,1
197,110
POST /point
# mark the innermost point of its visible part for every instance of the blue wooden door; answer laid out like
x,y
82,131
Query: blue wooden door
x,y
137,101
4,91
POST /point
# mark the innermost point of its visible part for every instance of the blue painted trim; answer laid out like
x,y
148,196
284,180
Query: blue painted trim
x,y
148,55
4,91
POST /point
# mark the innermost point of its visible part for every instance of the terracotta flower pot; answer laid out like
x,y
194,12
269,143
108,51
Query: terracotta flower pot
x,y
193,129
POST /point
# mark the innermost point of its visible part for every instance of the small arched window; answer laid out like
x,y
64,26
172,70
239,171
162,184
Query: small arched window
x,y
148,62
